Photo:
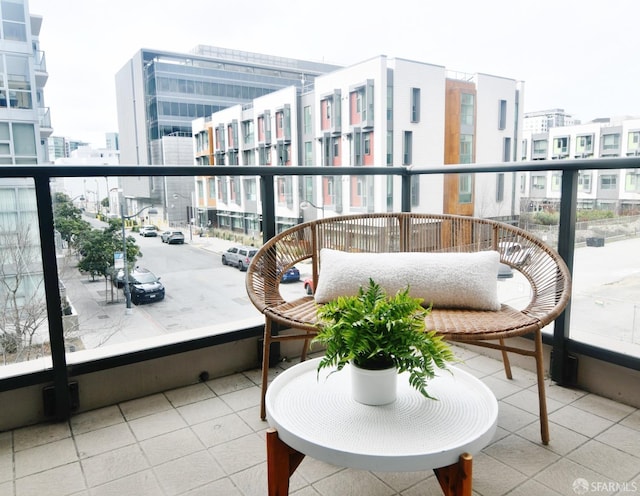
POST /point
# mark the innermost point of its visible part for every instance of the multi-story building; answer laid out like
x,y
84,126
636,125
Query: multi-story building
x,y
112,141
617,190
543,120
160,93
380,112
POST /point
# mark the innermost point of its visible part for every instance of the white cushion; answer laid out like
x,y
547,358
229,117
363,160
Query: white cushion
x,y
446,280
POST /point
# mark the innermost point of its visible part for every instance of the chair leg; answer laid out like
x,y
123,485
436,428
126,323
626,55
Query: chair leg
x,y
266,348
305,348
505,361
542,399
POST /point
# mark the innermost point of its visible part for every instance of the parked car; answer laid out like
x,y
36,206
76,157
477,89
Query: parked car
x,y
291,275
148,231
144,286
239,256
308,286
172,237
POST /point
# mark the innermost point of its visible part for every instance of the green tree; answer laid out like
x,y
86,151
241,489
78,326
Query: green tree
x,y
68,219
97,248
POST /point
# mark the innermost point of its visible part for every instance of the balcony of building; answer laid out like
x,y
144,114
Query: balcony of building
x,y
177,413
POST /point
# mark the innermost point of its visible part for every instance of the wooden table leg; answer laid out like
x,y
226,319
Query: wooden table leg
x,y
456,479
282,462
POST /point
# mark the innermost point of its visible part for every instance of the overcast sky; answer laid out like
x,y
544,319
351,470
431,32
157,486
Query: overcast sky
x,y
576,55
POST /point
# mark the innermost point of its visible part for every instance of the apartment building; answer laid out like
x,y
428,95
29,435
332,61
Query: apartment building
x,y
617,190
160,93
541,121
379,112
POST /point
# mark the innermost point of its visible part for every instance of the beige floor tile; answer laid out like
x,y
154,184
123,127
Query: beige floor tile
x,y
44,457
603,407
566,477
102,440
222,487
314,470
230,383
491,477
401,481
6,488
141,484
201,411
512,418
114,465
583,422
66,479
96,419
612,463
353,483
240,454
221,430
141,407
188,472
37,435
190,394
521,454
533,488
242,399
622,438
166,447
562,440
156,424
632,421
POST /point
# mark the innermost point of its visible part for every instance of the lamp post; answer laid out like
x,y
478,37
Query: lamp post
x,y
193,209
306,204
127,289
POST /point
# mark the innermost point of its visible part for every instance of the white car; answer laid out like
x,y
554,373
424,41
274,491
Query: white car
x,y
148,231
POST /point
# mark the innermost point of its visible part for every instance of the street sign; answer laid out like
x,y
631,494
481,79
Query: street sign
x,y
118,260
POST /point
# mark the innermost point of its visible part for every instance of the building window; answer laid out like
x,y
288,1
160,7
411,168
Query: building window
x,y
212,188
539,182
523,153
633,143
415,104
407,148
465,182
556,181
415,190
561,146
307,120
584,182
247,133
367,143
500,187
502,114
539,148
523,183
506,150
308,153
632,181
610,143
584,145
608,181
389,147
18,81
466,149
13,22
336,147
466,109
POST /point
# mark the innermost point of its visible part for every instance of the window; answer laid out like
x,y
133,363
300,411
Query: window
x,y
632,181
367,143
389,147
415,190
415,104
500,187
212,187
18,81
466,109
502,115
13,22
250,189
539,148
584,182
610,141
633,143
584,144
466,149
608,181
523,153
307,120
464,188
407,148
556,181
539,182
561,146
336,147
506,150
308,153
247,133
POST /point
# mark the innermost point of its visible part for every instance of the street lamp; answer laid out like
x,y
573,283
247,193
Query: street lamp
x,y
127,289
192,217
306,204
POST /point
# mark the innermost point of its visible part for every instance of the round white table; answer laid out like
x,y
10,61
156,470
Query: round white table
x,y
315,415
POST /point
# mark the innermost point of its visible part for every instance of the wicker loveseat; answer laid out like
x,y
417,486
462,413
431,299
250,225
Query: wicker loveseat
x,y
398,233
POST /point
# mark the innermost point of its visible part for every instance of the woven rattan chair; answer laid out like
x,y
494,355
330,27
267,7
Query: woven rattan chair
x,y
544,269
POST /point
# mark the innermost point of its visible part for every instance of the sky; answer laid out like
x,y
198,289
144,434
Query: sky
x,y
575,55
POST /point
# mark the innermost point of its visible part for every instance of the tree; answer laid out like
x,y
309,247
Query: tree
x,y
97,248
23,308
68,219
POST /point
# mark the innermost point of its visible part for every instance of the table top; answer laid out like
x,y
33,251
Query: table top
x,y
316,415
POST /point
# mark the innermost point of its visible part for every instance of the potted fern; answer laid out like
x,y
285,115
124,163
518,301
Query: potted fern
x,y
375,332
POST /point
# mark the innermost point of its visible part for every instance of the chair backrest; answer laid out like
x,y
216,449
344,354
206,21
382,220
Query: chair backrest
x,y
545,270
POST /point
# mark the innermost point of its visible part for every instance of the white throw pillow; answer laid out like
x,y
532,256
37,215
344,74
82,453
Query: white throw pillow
x,y
446,280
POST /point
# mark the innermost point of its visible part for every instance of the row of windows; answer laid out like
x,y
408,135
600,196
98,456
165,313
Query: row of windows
x,y
609,143
15,83
207,88
606,182
17,143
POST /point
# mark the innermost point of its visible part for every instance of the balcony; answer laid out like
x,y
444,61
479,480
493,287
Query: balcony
x,y
135,399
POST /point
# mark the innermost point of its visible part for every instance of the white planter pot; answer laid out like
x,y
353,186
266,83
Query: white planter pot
x,y
374,387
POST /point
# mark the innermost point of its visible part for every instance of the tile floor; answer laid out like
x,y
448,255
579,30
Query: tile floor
x,y
207,439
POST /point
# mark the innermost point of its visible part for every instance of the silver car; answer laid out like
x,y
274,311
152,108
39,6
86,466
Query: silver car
x,y
239,256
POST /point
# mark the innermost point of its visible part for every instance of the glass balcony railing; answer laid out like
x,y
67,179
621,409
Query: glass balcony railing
x,y
68,307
